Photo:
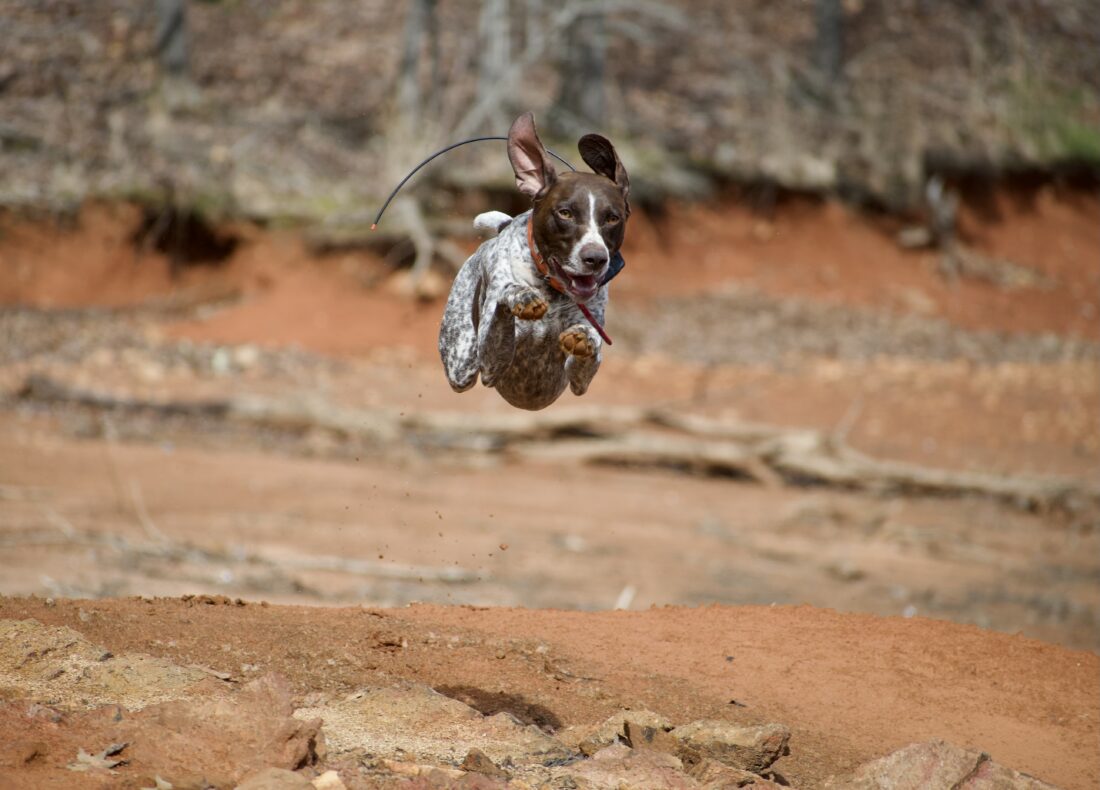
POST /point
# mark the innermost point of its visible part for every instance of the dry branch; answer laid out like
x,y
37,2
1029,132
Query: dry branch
x,y
619,436
180,553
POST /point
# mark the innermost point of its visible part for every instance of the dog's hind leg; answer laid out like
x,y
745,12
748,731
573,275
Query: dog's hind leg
x,y
458,334
496,342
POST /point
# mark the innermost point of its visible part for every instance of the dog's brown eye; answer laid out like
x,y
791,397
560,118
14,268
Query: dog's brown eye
x,y
611,219
565,213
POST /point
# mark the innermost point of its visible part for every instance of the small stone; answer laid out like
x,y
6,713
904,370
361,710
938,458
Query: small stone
x,y
613,728
246,356
714,775
749,748
428,285
478,762
401,768
329,780
221,362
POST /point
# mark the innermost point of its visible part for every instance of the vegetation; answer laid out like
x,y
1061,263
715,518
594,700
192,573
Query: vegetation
x,y
314,108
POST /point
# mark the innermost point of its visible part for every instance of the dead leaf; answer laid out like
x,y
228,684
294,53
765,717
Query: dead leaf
x,y
104,759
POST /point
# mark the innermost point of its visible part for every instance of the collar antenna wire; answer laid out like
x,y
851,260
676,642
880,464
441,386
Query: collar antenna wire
x,y
440,152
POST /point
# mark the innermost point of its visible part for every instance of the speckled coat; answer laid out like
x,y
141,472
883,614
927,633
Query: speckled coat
x,y
484,331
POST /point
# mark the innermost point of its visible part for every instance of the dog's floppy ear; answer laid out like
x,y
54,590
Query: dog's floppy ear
x,y
599,154
534,173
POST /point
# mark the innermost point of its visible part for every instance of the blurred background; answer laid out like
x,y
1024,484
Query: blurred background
x,y
856,342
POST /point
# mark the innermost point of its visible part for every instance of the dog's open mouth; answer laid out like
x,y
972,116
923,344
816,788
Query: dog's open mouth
x,y
581,287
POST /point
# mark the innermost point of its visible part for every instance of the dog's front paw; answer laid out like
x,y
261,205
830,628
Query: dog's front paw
x,y
575,342
527,305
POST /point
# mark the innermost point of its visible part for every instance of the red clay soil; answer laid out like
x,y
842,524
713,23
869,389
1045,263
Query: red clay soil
x,y
291,298
286,295
850,687
805,249
829,252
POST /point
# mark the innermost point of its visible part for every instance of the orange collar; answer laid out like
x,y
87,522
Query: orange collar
x,y
540,264
555,283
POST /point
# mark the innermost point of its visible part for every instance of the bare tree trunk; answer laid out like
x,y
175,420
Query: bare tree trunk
x,y
419,23
435,96
170,38
582,96
494,32
534,22
829,46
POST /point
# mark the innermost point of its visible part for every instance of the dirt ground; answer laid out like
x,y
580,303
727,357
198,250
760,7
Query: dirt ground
x,y
852,686
811,317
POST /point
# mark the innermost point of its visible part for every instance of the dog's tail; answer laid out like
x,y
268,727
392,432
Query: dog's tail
x,y
492,222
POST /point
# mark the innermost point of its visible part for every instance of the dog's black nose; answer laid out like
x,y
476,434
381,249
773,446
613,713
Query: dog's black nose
x,y
593,257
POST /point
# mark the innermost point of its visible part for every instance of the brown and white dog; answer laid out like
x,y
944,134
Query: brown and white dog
x,y
525,309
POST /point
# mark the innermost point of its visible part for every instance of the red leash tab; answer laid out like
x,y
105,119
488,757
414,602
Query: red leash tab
x,y
544,270
592,320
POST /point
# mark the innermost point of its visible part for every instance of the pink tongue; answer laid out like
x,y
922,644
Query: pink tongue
x,y
584,282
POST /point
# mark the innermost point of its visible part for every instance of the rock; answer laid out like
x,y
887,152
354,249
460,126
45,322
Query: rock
x,y
935,764
475,782
478,762
246,356
713,775
223,739
638,736
428,286
619,767
329,780
17,752
412,719
748,748
215,739
58,665
275,779
591,739
408,770
915,237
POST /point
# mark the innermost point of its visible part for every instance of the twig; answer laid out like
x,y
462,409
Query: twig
x,y
110,434
64,526
847,421
150,528
626,597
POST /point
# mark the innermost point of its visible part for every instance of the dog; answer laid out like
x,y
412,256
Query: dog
x,y
516,314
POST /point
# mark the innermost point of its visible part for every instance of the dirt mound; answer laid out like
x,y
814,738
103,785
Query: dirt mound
x,y
849,688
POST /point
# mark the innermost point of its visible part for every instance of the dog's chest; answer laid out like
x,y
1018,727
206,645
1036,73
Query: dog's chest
x,y
512,251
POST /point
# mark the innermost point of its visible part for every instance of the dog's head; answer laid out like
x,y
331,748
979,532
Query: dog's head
x,y
579,219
